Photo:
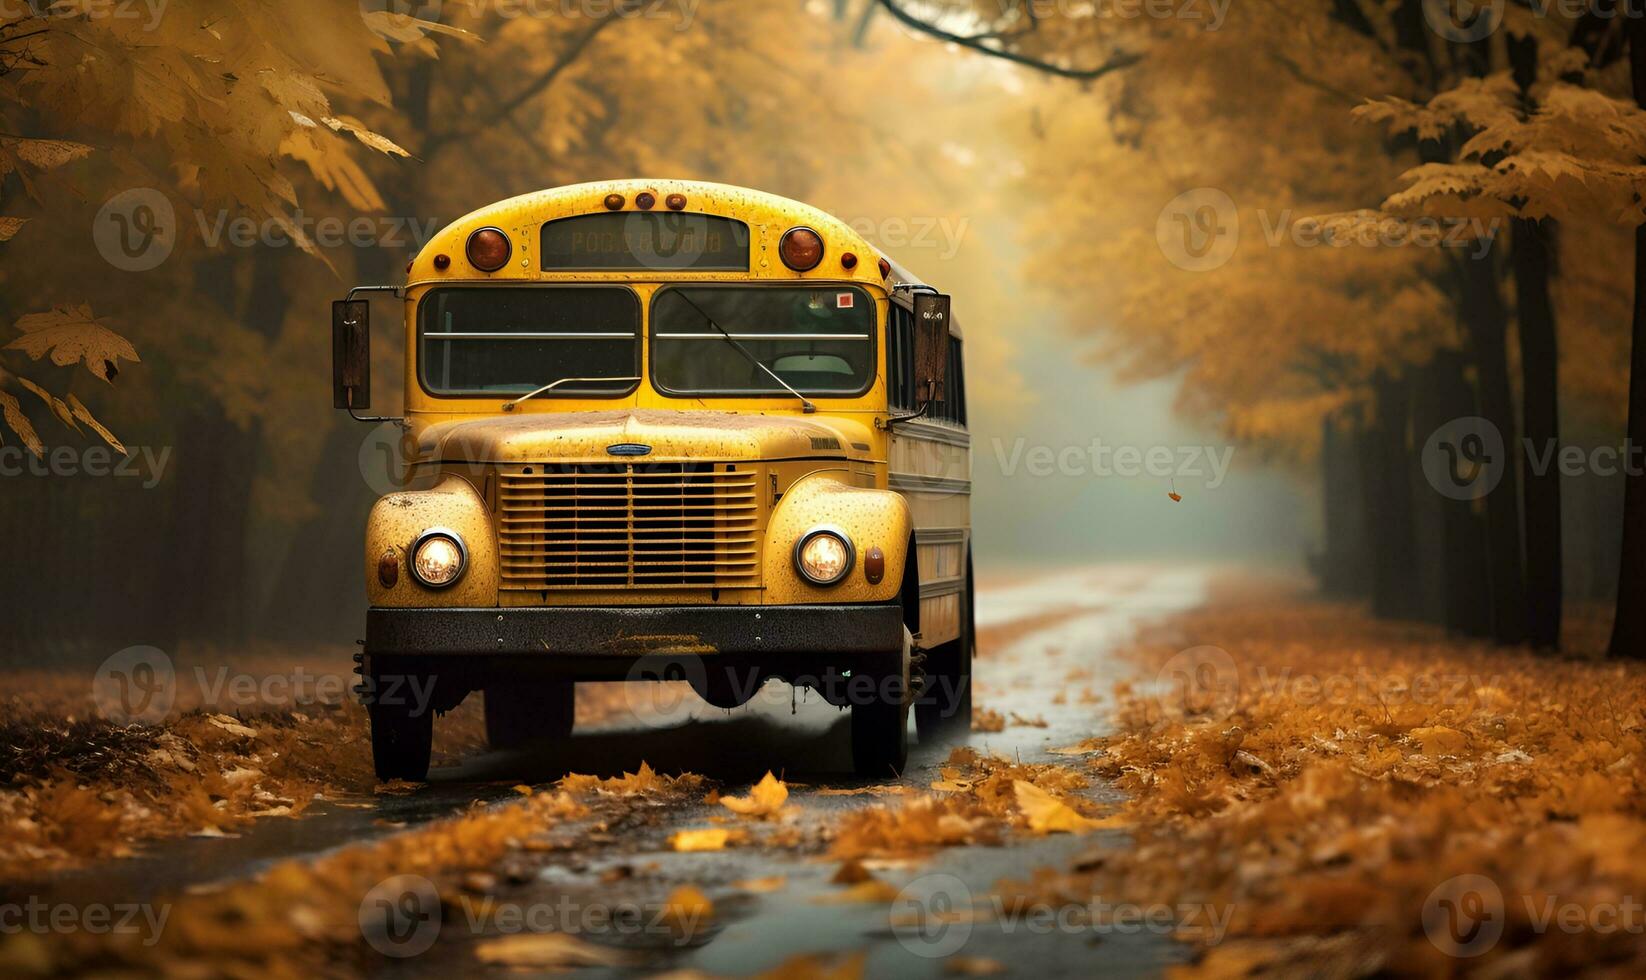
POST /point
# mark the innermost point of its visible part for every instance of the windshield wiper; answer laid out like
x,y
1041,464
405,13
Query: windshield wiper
x,y
806,405
511,406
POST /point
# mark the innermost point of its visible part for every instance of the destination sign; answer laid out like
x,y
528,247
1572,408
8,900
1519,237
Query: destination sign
x,y
639,241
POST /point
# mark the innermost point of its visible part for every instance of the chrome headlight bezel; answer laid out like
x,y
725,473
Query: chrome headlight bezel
x,y
424,538
833,532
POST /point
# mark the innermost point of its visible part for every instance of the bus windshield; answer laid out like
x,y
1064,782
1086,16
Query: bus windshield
x,y
513,340
817,339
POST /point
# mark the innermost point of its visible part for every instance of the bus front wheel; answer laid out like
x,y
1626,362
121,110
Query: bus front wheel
x,y
402,737
880,719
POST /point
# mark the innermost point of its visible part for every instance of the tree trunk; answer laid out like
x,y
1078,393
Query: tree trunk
x,y
1629,629
1486,322
1541,407
1345,561
1389,505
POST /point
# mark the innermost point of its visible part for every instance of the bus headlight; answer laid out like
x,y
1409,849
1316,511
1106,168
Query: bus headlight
x,y
438,558
824,555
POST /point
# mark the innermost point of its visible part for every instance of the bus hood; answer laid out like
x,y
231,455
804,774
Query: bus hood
x,y
639,434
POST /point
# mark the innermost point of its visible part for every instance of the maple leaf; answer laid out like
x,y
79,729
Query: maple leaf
x,y
9,227
766,799
43,154
72,334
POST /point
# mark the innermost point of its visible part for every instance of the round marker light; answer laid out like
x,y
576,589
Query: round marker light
x,y
614,202
801,249
848,261
438,558
824,555
645,200
677,202
489,249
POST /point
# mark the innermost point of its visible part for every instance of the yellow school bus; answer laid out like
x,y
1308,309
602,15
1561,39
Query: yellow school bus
x,y
662,429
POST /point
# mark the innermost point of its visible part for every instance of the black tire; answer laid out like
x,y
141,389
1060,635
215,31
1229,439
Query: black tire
x,y
944,709
880,720
402,738
518,714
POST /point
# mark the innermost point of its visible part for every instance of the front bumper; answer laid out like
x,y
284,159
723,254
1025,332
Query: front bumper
x,y
836,633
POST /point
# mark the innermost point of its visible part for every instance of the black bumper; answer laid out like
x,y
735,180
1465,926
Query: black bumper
x,y
607,632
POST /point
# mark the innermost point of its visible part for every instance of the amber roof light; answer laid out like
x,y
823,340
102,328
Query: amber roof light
x,y
489,249
801,249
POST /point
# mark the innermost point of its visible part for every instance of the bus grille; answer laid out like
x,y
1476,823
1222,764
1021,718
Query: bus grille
x,y
629,525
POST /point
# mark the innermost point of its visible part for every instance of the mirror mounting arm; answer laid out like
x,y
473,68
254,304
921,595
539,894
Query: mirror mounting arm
x,y
886,423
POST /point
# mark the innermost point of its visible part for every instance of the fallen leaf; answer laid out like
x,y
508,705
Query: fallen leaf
x,y
1046,813
704,839
761,886
766,799
546,950
686,908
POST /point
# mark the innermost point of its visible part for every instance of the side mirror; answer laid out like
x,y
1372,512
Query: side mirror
x,y
931,346
351,353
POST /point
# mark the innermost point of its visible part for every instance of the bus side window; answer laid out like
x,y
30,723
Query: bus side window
x,y
955,398
901,355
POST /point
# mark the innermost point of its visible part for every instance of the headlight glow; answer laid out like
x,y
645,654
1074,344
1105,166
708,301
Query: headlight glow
x,y
438,558
824,555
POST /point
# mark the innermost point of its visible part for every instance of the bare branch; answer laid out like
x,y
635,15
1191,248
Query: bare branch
x,y
1115,62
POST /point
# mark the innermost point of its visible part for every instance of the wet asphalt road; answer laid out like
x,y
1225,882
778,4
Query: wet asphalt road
x,y
1086,616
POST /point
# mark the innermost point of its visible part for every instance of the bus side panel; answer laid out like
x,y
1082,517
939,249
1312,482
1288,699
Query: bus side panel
x,y
931,467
